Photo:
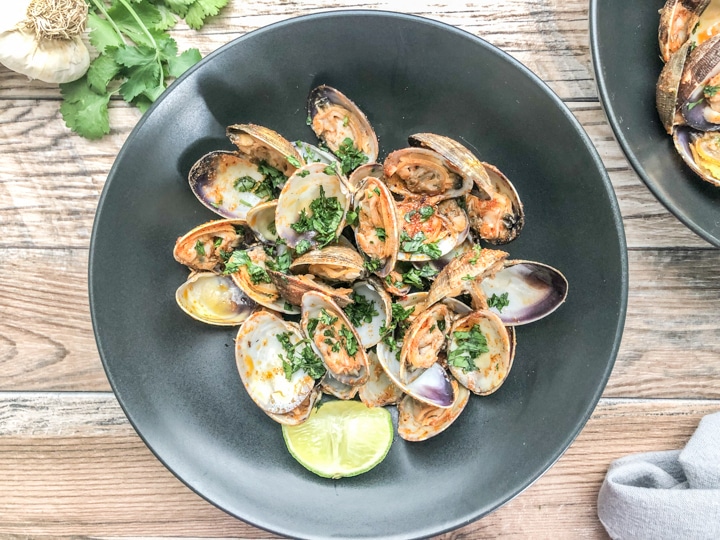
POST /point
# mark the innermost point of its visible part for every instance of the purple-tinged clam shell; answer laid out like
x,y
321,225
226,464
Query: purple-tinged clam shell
x,y
534,290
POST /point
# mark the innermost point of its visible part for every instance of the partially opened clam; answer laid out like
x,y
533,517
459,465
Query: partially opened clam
x,y
261,219
677,20
266,146
377,232
370,312
334,263
379,390
259,354
202,248
418,421
214,299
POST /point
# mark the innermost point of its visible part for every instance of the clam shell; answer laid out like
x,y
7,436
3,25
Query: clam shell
x,y
701,66
370,333
677,19
379,390
418,421
213,179
312,154
299,192
458,158
264,144
261,220
363,171
433,386
258,356
377,213
292,288
490,368
214,299
534,291
347,369
300,413
331,386
683,136
446,227
419,172
334,263
424,340
334,118
666,91
265,294
196,249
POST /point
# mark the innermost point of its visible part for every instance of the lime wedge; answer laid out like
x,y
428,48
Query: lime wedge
x,y
341,438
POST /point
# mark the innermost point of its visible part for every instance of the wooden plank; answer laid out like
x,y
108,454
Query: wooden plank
x,y
670,349
50,179
72,465
551,39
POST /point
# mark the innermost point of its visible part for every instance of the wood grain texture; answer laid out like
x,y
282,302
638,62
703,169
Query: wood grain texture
x,y
548,36
670,348
72,465
50,179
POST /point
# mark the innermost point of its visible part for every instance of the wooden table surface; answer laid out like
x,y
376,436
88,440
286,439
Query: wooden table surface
x,y
71,464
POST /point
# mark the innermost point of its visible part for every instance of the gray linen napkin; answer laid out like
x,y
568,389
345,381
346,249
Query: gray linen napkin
x,y
671,495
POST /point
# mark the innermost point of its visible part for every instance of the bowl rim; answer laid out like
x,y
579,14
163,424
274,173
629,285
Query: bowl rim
x,y
573,122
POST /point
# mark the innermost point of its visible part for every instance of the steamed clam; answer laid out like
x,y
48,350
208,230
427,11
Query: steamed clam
x,y
688,89
397,300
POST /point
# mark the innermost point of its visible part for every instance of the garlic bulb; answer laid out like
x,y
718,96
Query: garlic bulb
x,y
41,39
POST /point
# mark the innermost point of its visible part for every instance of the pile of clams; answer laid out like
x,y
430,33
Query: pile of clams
x,y
688,90
358,278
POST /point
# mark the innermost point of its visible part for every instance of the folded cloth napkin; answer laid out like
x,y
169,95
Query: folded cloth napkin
x,y
671,495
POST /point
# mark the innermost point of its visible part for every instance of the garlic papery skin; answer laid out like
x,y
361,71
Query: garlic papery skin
x,y
41,39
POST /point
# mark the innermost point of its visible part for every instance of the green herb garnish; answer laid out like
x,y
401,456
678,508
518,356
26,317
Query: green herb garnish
x,y
499,302
416,245
350,156
200,249
413,276
239,258
361,310
380,232
299,356
349,341
324,220
466,348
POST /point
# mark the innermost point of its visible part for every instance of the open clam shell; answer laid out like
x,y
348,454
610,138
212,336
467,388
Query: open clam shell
x,y
677,20
698,98
261,220
379,390
311,183
292,287
202,247
532,291
700,151
363,171
255,282
418,421
228,183
335,119
377,231
214,299
312,154
265,145
666,91
375,315
429,231
433,386
423,341
333,263
480,372
331,386
334,339
258,356
300,413
419,172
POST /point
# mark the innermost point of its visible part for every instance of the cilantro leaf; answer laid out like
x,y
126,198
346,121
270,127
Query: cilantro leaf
x,y
361,310
102,70
499,302
466,347
180,64
202,9
83,110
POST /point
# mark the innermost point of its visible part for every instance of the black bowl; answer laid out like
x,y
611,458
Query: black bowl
x,y
176,378
626,58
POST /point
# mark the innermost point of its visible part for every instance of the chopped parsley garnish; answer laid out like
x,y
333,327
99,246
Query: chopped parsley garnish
x,y
303,174
217,242
416,245
695,28
240,258
308,120
299,356
377,191
467,277
399,322
694,104
361,310
349,341
272,229
200,248
468,347
311,326
281,263
350,156
499,302
329,170
288,306
325,220
346,121
292,160
274,179
303,246
326,318
351,218
710,91
372,265
441,325
425,213
414,275
381,233
477,249
245,183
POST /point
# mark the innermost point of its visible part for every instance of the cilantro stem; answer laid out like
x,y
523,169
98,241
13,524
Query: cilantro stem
x,y
147,33
99,4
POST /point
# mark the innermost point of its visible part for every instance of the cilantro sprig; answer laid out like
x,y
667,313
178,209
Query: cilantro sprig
x,y
469,345
136,57
417,244
327,213
361,310
350,156
299,356
499,302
